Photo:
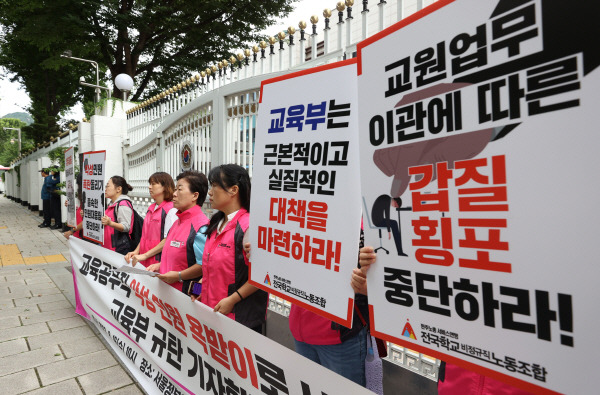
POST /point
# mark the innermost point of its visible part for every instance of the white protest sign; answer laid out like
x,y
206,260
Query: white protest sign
x,y
70,186
306,221
173,345
93,195
478,151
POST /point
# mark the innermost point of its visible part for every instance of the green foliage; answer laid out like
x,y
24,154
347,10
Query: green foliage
x,y
158,43
21,116
59,188
111,102
9,151
9,123
58,155
52,91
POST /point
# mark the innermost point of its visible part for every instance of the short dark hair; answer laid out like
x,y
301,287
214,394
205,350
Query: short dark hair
x,y
119,181
164,179
197,183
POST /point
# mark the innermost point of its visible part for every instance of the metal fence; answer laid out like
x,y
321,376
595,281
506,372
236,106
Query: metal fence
x,y
215,110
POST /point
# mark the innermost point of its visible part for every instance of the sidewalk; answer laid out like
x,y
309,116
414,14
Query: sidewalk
x,y
45,348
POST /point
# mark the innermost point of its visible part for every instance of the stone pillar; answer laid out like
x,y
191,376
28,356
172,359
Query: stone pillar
x,y
107,132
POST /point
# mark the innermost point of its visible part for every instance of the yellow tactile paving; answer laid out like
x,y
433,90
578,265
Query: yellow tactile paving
x,y
2,227
34,260
54,258
10,255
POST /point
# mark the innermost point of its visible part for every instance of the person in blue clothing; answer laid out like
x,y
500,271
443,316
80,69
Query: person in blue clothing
x,y
55,199
47,188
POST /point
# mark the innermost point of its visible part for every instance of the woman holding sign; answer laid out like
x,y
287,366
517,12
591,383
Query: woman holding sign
x,y
159,218
225,285
118,217
181,260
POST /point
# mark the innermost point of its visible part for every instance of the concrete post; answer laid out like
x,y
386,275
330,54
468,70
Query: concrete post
x,y
35,178
107,132
25,183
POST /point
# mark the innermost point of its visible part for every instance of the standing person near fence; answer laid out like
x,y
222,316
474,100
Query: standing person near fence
x,y
118,217
55,199
225,285
47,188
339,349
159,218
181,258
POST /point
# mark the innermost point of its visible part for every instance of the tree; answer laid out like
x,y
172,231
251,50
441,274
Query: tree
x,y
9,147
52,85
156,42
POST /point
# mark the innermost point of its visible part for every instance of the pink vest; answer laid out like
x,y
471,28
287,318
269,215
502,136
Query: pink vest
x,y
459,381
109,231
218,261
152,232
78,220
178,252
311,328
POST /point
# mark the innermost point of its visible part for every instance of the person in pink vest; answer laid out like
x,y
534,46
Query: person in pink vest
x,y
115,226
225,285
181,258
76,230
454,380
339,349
158,221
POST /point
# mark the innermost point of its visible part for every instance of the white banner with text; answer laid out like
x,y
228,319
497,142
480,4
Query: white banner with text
x,y
175,346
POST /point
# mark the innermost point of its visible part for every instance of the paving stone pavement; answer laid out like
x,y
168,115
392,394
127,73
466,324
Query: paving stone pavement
x,y
45,347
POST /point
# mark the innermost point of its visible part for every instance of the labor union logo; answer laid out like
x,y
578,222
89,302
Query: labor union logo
x,y
186,156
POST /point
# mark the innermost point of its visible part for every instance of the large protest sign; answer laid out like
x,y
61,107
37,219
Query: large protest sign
x,y
305,223
93,195
477,139
70,186
175,346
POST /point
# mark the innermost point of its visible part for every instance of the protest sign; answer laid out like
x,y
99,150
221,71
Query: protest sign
x,y
477,134
93,195
305,226
70,186
173,345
